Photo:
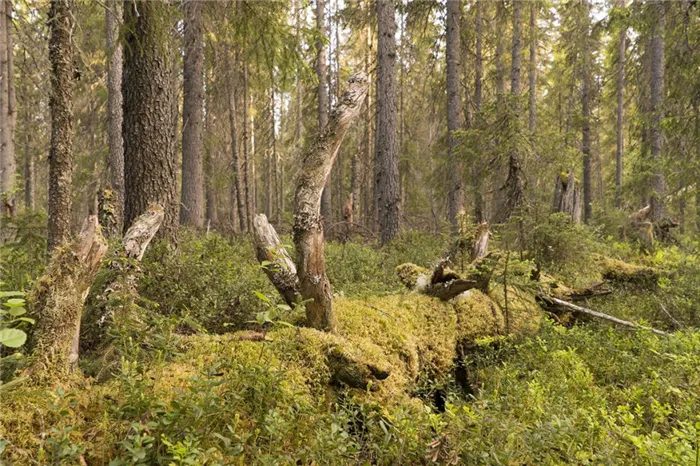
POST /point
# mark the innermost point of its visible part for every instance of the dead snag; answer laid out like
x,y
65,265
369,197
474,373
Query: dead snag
x,y
556,305
118,291
308,229
276,261
57,301
567,196
480,246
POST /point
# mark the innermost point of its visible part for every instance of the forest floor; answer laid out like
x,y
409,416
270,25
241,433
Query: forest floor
x,y
207,366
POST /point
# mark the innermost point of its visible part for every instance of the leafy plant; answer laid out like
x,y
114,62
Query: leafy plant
x,y
12,315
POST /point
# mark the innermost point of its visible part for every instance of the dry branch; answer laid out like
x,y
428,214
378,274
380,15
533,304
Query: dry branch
x,y
555,304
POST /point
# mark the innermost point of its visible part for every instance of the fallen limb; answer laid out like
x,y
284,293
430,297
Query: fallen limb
x,y
554,304
278,266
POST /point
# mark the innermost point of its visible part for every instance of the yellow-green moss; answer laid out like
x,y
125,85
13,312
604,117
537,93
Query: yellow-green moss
x,y
524,314
412,275
624,272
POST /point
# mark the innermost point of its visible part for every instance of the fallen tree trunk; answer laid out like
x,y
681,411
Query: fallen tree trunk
x,y
554,305
308,228
278,266
58,298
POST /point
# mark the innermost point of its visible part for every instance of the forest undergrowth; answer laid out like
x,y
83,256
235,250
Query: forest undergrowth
x,y
212,368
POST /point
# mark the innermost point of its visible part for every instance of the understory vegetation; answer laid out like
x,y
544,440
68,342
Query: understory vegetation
x,y
215,369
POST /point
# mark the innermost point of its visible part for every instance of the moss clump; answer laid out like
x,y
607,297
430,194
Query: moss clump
x,y
624,272
413,276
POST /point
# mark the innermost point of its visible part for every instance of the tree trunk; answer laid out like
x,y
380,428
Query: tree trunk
x,y
247,152
29,160
386,161
61,106
658,183
58,299
322,96
567,196
192,200
308,229
237,187
532,75
8,114
150,168
586,121
477,168
620,146
455,199
500,50
115,161
514,189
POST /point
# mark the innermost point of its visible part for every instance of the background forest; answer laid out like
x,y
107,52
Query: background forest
x,y
527,169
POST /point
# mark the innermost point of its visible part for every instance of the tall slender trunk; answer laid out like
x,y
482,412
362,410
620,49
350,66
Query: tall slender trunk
x,y
192,195
532,75
586,110
279,187
115,160
29,168
477,168
386,159
500,50
8,114
248,189
148,92
514,189
658,183
61,105
322,95
238,185
620,147
454,112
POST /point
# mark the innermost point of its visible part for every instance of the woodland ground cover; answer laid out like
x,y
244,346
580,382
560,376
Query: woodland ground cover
x,y
192,391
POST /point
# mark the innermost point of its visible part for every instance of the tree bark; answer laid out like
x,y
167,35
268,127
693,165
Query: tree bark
x,y
567,196
322,96
149,157
308,229
247,151
238,188
658,184
192,198
115,161
8,114
586,110
386,161
280,269
61,106
454,112
532,75
58,301
620,141
477,168
500,50
514,189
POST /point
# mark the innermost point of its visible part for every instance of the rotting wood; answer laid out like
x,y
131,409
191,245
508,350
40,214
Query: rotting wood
x,y
278,266
58,298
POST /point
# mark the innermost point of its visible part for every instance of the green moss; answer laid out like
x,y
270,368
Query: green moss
x,y
413,276
624,272
524,315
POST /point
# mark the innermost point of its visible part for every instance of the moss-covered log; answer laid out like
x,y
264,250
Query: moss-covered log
x,y
623,272
57,302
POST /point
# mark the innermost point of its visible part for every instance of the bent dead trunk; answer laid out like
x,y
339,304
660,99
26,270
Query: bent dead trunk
x,y
308,229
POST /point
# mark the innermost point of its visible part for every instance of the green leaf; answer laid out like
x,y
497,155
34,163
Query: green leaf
x,y
12,337
17,311
14,302
261,297
284,307
26,319
7,294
